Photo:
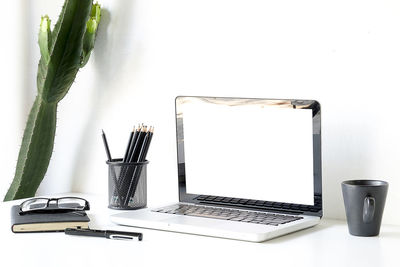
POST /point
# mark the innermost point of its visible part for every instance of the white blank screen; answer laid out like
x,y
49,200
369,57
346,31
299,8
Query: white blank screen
x,y
249,151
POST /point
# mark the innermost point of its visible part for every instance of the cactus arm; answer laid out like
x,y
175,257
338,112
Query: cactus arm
x,y
55,78
45,38
90,34
35,152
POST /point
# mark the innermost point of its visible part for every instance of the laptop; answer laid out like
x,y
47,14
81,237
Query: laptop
x,y
248,169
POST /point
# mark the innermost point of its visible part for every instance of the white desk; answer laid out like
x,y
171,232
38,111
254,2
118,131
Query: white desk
x,y
328,244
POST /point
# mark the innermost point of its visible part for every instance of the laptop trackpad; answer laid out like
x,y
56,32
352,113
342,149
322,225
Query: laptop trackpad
x,y
213,227
194,221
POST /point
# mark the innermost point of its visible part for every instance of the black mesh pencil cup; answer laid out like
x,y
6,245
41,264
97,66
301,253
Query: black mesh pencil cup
x,y
127,185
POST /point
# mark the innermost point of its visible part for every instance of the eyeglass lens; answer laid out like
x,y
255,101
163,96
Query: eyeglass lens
x,y
34,204
71,203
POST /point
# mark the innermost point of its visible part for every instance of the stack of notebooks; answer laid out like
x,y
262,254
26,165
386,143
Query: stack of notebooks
x,y
47,222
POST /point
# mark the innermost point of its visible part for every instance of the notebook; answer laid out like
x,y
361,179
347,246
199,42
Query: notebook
x,y
248,169
47,222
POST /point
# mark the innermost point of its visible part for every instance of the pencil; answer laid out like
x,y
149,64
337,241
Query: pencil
x,y
129,148
123,168
128,152
138,169
132,156
141,154
129,144
103,135
135,152
114,176
148,145
133,142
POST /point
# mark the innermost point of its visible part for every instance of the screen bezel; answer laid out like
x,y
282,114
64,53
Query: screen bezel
x,y
314,210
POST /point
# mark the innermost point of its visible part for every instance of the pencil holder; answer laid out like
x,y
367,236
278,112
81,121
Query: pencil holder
x,y
127,185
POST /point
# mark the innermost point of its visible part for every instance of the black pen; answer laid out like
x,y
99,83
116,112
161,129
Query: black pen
x,y
110,234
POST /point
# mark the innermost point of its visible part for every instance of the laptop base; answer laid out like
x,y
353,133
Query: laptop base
x,y
146,218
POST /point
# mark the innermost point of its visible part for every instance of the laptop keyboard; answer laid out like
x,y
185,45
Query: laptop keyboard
x,y
265,218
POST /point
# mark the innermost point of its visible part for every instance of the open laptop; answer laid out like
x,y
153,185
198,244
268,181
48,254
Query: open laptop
x,y
248,169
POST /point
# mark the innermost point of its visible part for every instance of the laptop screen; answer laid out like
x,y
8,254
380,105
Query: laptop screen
x,y
247,148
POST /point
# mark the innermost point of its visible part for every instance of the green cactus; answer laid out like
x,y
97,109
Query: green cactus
x,y
63,51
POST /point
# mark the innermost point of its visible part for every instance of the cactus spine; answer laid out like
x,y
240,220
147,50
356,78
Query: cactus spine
x,y
63,51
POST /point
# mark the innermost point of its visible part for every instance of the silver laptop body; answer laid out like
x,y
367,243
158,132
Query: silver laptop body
x,y
248,169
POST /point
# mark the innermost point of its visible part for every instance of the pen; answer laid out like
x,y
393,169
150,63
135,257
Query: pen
x,y
110,234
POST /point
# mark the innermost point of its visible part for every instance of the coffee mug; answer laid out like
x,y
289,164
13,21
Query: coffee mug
x,y
364,201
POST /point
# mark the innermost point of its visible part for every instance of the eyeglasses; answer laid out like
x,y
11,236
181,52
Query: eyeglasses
x,y
48,205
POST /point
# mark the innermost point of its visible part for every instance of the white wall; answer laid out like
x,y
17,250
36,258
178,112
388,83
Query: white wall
x,y
14,55
346,54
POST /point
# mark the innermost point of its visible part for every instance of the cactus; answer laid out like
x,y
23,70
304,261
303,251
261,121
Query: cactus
x,y
63,52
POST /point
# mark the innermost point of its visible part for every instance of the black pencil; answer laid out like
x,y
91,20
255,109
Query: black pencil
x,y
142,152
103,135
138,169
133,142
114,176
123,168
136,150
127,172
129,144
148,142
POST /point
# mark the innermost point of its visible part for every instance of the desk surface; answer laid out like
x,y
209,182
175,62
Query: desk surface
x,y
327,244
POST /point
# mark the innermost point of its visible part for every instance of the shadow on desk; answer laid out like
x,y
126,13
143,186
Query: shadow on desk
x,y
390,234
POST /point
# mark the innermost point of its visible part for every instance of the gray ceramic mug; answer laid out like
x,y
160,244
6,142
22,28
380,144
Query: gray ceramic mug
x,y
364,201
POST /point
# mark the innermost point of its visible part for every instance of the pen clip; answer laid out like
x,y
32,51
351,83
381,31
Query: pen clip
x,y
121,237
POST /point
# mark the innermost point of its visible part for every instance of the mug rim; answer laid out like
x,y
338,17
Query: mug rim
x,y
365,182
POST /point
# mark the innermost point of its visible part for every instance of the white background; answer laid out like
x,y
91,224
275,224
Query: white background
x,y
346,54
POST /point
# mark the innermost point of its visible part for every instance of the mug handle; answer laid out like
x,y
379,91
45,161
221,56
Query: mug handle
x,y
369,209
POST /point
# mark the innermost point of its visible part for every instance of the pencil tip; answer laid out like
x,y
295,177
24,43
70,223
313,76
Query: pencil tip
x,y
102,131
